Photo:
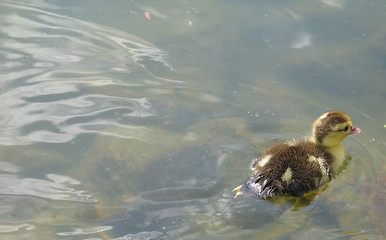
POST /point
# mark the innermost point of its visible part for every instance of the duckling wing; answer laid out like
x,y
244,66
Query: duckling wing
x,y
288,169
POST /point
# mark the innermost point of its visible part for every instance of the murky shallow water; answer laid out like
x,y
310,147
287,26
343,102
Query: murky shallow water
x,y
114,126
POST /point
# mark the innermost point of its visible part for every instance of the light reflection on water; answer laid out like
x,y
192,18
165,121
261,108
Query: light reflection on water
x,y
18,205
56,187
106,135
51,92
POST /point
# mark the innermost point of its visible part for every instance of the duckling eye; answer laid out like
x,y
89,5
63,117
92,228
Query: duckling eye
x,y
343,129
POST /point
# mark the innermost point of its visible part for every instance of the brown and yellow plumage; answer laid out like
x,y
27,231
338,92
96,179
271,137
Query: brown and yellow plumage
x,y
294,168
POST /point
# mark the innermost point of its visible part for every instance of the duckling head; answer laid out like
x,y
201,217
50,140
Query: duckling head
x,y
331,128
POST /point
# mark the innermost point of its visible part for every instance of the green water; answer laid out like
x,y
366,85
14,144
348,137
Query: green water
x,y
114,126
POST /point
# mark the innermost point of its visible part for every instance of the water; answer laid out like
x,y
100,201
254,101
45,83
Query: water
x,y
114,126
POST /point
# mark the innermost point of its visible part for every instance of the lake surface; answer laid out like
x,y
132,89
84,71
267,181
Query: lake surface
x,y
136,119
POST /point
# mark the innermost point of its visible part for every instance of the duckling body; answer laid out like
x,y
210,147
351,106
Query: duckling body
x,y
296,167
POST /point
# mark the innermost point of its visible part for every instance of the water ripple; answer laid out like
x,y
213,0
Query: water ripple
x,y
15,228
56,187
85,231
63,77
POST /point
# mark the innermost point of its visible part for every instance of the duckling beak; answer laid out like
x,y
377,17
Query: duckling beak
x,y
354,130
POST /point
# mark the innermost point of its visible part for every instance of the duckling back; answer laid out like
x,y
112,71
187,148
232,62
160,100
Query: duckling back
x,y
289,168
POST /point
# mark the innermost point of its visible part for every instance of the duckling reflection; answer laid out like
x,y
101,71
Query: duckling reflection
x,y
295,168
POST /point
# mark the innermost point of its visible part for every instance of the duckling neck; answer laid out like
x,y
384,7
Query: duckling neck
x,y
337,152
338,156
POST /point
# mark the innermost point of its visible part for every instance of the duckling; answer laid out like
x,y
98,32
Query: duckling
x,y
296,167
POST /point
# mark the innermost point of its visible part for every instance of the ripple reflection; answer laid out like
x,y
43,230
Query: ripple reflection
x,y
57,187
67,77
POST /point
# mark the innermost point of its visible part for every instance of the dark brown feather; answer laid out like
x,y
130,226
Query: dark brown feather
x,y
267,180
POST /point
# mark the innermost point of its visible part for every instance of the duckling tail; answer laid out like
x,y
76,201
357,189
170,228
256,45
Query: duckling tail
x,y
258,187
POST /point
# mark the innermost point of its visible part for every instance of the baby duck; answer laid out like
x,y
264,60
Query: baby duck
x,y
293,168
